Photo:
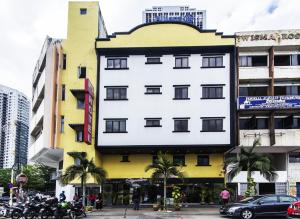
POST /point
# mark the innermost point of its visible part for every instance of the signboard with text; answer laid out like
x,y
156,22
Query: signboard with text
x,y
186,18
88,111
268,102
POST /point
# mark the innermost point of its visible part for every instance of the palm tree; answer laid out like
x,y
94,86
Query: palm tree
x,y
164,168
250,161
82,170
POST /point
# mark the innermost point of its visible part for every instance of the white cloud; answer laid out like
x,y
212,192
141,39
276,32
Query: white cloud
x,y
25,24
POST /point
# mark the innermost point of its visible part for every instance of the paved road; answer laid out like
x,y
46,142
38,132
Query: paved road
x,y
160,217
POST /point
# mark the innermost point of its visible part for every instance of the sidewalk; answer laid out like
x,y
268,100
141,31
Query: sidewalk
x,y
149,211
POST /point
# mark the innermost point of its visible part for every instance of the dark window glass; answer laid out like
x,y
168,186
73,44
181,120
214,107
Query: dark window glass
x,y
79,136
118,63
212,92
181,125
249,61
294,158
282,60
153,90
288,199
262,123
279,123
62,124
116,93
116,126
153,60
64,61
181,92
292,90
125,158
181,62
81,72
83,11
288,122
63,92
212,61
152,122
80,104
212,125
270,199
244,124
253,91
179,160
203,160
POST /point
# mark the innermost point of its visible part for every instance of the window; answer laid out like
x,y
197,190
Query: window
x,y
287,90
288,199
63,92
294,158
253,123
125,158
203,160
181,92
289,122
116,93
152,122
212,62
181,125
181,62
83,11
117,63
270,199
79,136
115,126
64,61
80,103
153,89
179,160
77,162
287,60
154,159
211,92
62,124
153,60
253,91
212,124
252,61
81,72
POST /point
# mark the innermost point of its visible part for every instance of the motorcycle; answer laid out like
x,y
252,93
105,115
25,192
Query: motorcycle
x,y
78,209
5,210
48,208
32,210
64,209
16,211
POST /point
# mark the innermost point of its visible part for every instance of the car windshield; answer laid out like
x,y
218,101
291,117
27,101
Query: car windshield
x,y
250,199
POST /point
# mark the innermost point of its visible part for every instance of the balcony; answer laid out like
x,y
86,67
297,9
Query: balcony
x,y
281,72
247,137
37,116
253,73
268,102
287,137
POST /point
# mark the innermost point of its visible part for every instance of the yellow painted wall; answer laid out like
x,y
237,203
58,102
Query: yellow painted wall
x,y
136,167
165,35
80,50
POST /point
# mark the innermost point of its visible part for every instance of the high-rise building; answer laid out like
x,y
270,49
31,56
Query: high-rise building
x,y
269,105
14,120
175,13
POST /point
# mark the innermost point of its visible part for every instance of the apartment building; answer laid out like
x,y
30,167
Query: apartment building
x,y
175,13
14,120
269,104
171,92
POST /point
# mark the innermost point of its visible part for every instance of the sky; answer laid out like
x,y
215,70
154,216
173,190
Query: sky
x,y
24,25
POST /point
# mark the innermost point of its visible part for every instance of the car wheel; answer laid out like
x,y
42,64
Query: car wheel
x,y
247,214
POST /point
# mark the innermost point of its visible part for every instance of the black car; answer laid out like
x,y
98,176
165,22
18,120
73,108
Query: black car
x,y
261,205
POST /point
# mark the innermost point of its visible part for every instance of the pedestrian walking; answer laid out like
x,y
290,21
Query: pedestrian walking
x,y
225,195
136,200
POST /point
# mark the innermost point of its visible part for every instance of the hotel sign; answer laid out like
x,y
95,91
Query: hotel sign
x,y
268,36
187,19
268,102
88,111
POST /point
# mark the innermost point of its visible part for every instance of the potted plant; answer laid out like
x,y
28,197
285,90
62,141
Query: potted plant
x,y
176,195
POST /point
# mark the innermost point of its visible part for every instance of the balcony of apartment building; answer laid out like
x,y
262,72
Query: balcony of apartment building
x,y
38,93
37,117
253,66
286,65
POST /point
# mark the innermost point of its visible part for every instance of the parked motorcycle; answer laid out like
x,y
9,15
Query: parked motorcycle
x,y
16,211
78,209
64,209
5,210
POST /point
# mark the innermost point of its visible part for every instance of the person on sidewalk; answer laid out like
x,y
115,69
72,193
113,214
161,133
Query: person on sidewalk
x,y
136,200
92,198
99,202
225,195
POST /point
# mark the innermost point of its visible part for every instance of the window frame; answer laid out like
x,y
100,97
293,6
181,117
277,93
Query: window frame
x,y
158,61
78,137
211,60
208,87
114,63
82,75
112,125
125,160
78,101
153,119
215,119
63,92
62,124
83,11
181,66
185,119
203,156
249,61
116,90
176,156
149,87
176,87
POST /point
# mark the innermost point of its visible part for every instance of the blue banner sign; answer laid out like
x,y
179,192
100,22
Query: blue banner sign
x,y
269,102
187,19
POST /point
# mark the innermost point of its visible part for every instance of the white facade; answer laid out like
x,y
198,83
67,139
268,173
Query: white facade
x,y
42,134
14,120
175,13
276,74
140,105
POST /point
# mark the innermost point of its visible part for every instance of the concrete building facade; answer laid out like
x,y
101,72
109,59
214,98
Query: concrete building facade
x,y
14,120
